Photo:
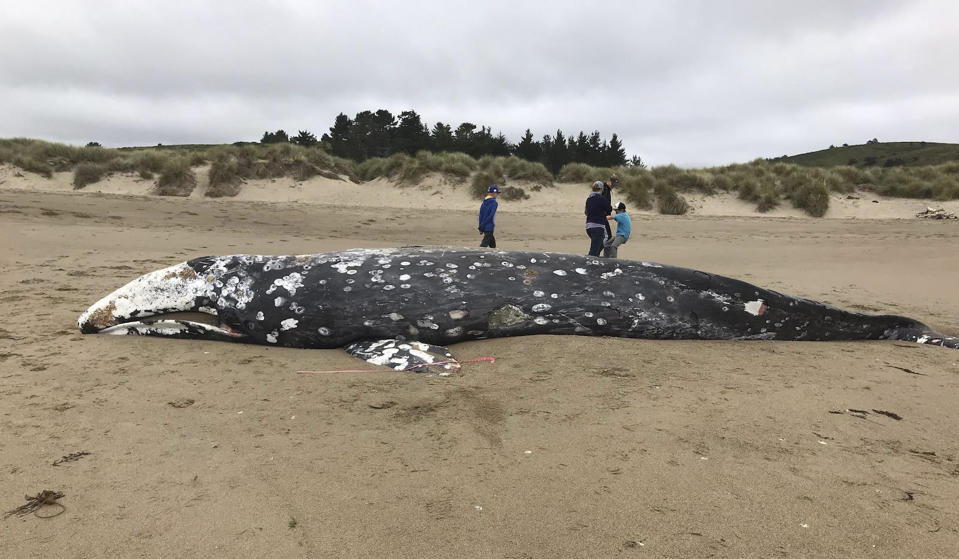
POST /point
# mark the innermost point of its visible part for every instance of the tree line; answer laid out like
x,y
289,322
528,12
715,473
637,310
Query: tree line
x,y
382,134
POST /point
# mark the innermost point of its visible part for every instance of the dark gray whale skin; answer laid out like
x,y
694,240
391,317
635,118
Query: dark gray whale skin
x,y
443,296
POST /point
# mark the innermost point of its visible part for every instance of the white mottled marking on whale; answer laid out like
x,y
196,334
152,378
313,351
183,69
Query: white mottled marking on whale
x,y
538,293
541,307
581,271
754,308
288,324
559,272
458,314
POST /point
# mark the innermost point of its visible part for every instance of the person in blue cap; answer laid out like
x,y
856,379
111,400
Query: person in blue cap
x,y
487,217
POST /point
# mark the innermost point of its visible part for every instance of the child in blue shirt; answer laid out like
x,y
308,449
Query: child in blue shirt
x,y
623,227
487,217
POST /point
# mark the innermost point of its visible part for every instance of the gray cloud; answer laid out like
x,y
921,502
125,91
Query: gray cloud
x,y
692,83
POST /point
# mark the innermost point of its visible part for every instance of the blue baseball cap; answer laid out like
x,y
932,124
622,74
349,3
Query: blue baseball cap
x,y
493,188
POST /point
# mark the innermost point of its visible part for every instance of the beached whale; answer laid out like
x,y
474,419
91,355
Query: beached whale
x,y
398,306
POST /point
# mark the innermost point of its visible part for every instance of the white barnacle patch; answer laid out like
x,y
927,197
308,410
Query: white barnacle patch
x,y
458,314
323,331
404,263
404,277
670,298
608,294
271,337
541,320
506,264
541,307
368,323
607,275
259,315
279,302
395,316
538,293
755,308
451,265
559,272
650,265
389,287
288,324
554,295
581,271
455,331
404,286
343,266
297,308
601,321
532,260
347,289
640,297
290,283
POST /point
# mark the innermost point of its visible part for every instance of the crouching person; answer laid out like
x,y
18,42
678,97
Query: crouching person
x,y
623,227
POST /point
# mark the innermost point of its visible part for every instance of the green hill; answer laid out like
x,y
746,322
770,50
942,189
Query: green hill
x,y
877,154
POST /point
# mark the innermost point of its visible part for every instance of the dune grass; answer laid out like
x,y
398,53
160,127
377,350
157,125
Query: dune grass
x,y
176,178
767,184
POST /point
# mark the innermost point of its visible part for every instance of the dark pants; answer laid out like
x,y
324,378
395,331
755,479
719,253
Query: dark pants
x,y
597,235
488,240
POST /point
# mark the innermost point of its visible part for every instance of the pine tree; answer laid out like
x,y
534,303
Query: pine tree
x,y
615,153
340,134
304,138
441,138
527,148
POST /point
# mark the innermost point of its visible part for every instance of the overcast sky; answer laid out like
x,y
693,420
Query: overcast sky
x,y
684,82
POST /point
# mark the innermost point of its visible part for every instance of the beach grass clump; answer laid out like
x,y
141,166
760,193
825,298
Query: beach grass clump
x,y
482,180
670,202
176,178
511,193
88,172
812,197
637,188
225,177
581,172
33,165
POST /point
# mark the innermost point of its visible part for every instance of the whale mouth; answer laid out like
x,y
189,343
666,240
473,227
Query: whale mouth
x,y
184,324
173,329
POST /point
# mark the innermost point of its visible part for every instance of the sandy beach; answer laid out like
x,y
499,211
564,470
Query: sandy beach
x,y
564,447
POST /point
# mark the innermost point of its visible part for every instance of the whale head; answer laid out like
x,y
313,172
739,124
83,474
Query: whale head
x,y
155,303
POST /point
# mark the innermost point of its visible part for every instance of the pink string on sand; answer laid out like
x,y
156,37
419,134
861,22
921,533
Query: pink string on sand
x,y
457,366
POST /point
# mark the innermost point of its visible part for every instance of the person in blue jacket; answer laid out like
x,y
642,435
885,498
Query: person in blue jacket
x,y
487,217
623,227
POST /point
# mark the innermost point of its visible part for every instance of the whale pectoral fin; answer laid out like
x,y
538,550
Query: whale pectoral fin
x,y
404,355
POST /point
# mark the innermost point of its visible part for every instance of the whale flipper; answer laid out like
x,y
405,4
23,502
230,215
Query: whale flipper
x,y
403,355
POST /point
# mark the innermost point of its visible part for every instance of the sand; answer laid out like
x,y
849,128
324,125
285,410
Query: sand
x,y
564,447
